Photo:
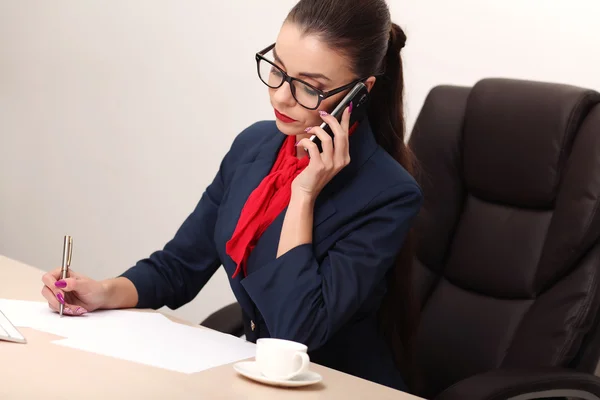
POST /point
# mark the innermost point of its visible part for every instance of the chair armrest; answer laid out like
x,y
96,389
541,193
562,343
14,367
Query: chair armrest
x,y
525,384
226,320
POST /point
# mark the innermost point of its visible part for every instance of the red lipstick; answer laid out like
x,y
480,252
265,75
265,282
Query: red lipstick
x,y
284,118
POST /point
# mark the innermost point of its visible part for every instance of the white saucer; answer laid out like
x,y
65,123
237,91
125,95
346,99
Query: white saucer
x,y
249,369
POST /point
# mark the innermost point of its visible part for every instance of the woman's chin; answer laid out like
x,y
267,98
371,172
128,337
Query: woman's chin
x,y
288,129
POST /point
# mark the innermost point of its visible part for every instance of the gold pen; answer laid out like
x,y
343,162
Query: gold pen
x,y
66,263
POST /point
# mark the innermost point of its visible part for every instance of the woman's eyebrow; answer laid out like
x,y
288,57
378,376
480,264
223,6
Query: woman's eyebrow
x,y
303,74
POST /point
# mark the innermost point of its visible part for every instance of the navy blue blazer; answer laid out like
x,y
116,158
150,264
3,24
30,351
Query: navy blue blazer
x,y
323,294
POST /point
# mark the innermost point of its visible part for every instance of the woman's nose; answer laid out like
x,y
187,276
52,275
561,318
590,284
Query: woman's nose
x,y
283,95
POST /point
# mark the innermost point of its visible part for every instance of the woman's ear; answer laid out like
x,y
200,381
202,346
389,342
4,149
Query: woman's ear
x,y
370,82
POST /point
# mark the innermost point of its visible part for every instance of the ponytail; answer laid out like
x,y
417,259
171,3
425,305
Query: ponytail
x,y
398,312
386,104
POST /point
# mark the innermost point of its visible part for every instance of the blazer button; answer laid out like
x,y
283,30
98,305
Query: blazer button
x,y
252,325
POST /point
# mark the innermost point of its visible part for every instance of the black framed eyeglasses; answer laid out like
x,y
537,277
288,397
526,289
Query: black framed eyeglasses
x,y
304,93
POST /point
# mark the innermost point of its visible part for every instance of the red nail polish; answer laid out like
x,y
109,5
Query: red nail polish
x,y
350,108
60,298
60,284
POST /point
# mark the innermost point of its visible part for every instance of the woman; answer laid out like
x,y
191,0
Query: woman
x,y
309,243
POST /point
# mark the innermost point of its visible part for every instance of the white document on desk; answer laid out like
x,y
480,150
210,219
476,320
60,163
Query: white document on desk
x,y
37,315
147,338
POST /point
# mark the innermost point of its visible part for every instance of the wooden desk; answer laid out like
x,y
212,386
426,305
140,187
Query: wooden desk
x,y
40,369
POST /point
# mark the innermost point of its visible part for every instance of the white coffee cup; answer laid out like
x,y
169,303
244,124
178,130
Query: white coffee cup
x,y
281,359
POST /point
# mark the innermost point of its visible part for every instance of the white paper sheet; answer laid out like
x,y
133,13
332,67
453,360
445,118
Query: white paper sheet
x,y
147,338
178,347
37,315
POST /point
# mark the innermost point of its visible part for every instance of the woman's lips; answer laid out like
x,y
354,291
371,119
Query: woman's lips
x,y
284,118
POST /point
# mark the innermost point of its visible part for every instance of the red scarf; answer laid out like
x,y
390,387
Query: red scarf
x,y
265,203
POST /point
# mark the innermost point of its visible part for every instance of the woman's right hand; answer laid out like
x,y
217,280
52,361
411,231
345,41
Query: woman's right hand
x,y
78,293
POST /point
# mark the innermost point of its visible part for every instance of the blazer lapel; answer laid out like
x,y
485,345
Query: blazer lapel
x,y
248,176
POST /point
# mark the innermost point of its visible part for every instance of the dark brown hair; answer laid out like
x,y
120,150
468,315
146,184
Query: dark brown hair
x,y
362,31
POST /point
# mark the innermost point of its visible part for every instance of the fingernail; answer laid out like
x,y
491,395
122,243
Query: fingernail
x,y
350,108
308,129
60,284
323,113
80,311
297,143
60,298
67,311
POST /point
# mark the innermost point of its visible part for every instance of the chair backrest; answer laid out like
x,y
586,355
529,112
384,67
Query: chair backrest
x,y
508,256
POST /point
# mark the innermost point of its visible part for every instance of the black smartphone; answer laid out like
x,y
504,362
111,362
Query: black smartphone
x,y
359,96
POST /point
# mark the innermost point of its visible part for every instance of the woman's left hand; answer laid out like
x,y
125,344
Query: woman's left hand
x,y
324,166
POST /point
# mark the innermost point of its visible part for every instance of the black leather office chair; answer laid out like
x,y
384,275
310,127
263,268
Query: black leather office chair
x,y
227,320
508,258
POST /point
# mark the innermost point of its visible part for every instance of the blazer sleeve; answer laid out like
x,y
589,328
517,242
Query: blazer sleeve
x,y
306,300
174,275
